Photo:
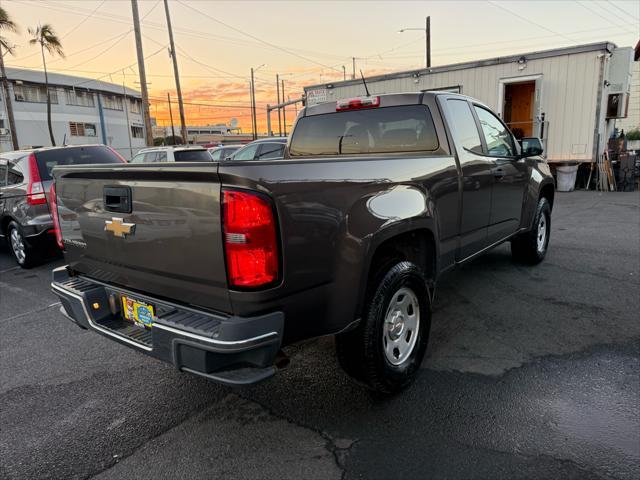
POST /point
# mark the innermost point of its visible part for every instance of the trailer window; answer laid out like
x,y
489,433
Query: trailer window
x,y
407,128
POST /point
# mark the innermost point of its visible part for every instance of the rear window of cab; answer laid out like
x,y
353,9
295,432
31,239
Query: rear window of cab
x,y
400,129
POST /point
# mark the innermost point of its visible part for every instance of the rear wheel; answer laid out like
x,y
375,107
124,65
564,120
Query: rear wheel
x,y
22,251
531,247
387,348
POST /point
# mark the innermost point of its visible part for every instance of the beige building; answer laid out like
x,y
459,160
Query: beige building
x,y
570,97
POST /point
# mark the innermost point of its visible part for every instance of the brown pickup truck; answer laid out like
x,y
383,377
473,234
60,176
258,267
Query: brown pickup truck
x,y
214,267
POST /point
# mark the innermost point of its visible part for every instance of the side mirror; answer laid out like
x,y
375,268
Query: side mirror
x,y
531,146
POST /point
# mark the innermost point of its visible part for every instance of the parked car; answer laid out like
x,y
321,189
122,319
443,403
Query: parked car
x,y
25,179
182,153
271,148
347,235
223,152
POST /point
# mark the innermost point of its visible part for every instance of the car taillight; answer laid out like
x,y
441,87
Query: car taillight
x,y
357,103
250,239
120,157
35,190
54,213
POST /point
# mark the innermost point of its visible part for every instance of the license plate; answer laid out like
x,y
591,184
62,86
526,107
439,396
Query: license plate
x,y
138,312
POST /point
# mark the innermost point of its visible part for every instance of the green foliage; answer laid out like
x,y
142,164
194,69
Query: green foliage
x,y
6,25
46,37
633,134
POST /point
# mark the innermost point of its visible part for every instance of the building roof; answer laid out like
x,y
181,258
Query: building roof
x,y
590,47
58,79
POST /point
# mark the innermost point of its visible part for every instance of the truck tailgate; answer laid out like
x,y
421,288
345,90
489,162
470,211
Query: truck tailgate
x,y
167,242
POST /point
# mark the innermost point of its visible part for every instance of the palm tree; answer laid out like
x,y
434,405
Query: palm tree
x,y
7,25
49,41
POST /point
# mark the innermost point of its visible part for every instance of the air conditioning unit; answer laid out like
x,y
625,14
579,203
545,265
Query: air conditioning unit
x,y
4,131
617,105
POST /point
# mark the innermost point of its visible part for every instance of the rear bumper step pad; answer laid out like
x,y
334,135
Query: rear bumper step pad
x,y
229,350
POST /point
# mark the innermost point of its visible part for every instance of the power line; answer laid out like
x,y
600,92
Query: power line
x,y
528,20
82,22
252,36
599,15
623,11
73,29
122,37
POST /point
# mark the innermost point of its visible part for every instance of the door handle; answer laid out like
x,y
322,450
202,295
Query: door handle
x,y
117,199
498,172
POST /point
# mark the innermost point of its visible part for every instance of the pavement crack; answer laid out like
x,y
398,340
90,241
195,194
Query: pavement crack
x,y
31,312
339,448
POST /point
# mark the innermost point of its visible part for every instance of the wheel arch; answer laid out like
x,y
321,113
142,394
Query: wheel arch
x,y
548,191
417,245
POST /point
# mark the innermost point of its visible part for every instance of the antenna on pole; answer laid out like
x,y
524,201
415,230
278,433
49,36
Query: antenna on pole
x,y
366,89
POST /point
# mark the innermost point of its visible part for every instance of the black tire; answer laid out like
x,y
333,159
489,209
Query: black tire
x,y
362,353
23,252
530,247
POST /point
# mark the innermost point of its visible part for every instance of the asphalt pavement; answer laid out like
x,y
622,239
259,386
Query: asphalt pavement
x,y
531,372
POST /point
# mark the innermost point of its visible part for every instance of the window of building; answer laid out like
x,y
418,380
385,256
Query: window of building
x,y
137,132
112,102
79,129
34,93
135,105
80,98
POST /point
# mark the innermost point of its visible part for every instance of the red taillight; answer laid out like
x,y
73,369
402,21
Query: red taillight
x,y
357,103
54,213
120,157
250,239
35,190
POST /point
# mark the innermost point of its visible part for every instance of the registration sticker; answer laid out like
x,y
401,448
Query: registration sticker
x,y
138,312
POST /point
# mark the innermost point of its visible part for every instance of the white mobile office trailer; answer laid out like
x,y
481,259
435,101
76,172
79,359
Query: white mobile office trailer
x,y
569,97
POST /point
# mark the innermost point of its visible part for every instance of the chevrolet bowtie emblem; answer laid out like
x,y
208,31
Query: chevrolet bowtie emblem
x,y
119,227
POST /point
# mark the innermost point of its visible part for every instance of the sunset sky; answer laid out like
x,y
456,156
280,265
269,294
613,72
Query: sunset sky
x,y
306,42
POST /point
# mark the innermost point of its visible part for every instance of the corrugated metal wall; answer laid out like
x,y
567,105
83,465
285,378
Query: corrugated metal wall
x,y
569,96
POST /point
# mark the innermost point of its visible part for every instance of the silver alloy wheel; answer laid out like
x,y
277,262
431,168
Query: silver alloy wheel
x,y
542,233
17,245
401,326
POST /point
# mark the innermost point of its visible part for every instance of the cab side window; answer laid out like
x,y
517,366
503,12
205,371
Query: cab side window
x,y
464,125
139,158
217,154
271,151
498,138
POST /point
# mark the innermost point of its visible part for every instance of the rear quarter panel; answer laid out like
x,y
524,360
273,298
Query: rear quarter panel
x,y
332,214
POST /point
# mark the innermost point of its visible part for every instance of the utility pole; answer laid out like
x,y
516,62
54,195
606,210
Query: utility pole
x,y
344,73
183,127
279,113
173,132
428,35
143,75
284,112
353,75
254,120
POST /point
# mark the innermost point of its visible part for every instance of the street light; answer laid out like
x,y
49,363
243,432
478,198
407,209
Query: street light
x,y
254,119
427,31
